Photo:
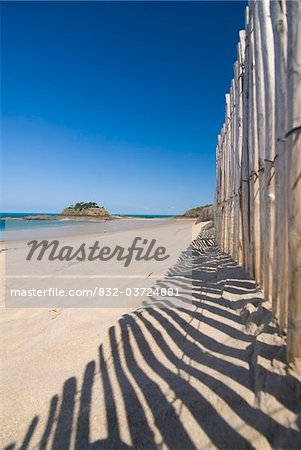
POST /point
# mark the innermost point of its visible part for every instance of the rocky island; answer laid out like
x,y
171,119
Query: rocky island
x,y
83,211
89,209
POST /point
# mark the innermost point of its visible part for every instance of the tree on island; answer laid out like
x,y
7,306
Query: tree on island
x,y
84,205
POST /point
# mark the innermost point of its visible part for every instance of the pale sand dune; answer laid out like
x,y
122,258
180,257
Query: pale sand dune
x,y
208,376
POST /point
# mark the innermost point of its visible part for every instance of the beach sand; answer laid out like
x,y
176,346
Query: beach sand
x,y
209,375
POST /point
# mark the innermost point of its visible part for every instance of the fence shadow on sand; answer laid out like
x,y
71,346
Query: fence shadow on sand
x,y
179,378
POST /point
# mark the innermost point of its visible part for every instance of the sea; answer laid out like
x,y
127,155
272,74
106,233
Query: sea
x,y
14,229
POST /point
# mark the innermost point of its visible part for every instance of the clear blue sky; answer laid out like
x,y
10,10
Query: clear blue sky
x,y
114,102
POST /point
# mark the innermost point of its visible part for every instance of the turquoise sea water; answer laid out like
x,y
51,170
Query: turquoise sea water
x,y
36,226
14,225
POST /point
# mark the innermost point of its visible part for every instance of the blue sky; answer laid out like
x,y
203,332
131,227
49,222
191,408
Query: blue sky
x,y
114,102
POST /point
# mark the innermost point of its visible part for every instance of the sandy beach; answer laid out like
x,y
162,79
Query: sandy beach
x,y
207,375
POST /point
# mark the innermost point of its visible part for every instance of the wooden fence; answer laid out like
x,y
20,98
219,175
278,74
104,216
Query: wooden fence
x,y
258,169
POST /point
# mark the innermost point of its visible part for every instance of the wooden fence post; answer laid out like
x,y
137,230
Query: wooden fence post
x,y
280,267
293,148
244,156
253,158
260,117
241,62
267,49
